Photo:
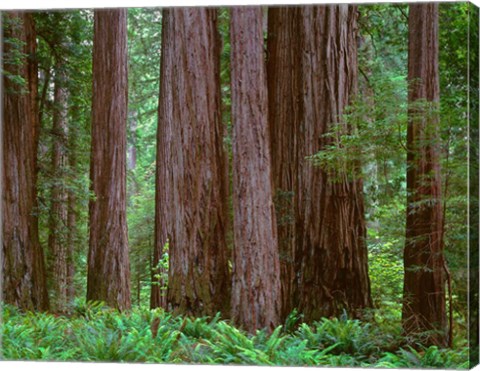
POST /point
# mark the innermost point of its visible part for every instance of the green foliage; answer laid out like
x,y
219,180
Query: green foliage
x,y
161,271
15,57
98,333
431,357
64,44
224,30
453,65
144,41
386,265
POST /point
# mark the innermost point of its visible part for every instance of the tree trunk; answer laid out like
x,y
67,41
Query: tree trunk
x,y
24,281
108,261
284,107
312,73
57,239
71,241
424,283
132,142
191,165
332,233
72,213
256,296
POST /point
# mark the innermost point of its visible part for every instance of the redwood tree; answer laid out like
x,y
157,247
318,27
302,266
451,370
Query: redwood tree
x,y
191,183
424,283
312,74
256,296
24,283
72,229
284,108
58,223
108,263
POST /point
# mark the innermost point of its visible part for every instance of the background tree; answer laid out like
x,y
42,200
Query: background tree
x,y
59,206
24,280
191,165
58,243
256,300
144,44
108,261
379,113
380,142
64,48
424,282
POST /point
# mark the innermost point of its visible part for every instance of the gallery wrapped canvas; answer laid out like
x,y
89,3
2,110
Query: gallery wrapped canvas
x,y
280,185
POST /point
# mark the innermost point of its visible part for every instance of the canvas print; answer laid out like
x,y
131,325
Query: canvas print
x,y
290,185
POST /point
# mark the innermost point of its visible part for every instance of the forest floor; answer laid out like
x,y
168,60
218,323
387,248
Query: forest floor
x,y
94,333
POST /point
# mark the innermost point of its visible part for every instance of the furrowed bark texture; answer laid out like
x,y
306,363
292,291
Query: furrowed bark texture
x,y
71,235
284,109
108,262
158,296
327,245
191,165
424,282
256,292
334,273
72,229
24,281
57,239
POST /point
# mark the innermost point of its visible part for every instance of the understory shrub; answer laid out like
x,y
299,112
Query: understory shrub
x,y
97,333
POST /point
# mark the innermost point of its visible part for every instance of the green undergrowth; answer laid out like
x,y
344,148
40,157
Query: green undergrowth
x,y
96,333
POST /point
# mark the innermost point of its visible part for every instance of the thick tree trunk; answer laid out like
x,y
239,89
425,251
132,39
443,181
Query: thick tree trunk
x,y
312,73
424,284
57,239
191,165
108,262
158,296
24,281
256,292
284,108
332,233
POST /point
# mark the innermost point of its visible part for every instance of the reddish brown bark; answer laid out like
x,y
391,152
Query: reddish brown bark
x,y
284,108
57,240
191,165
108,261
72,229
24,282
424,283
256,296
334,274
158,296
71,237
312,78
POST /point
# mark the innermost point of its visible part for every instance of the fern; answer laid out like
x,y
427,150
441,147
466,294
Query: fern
x,y
98,333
